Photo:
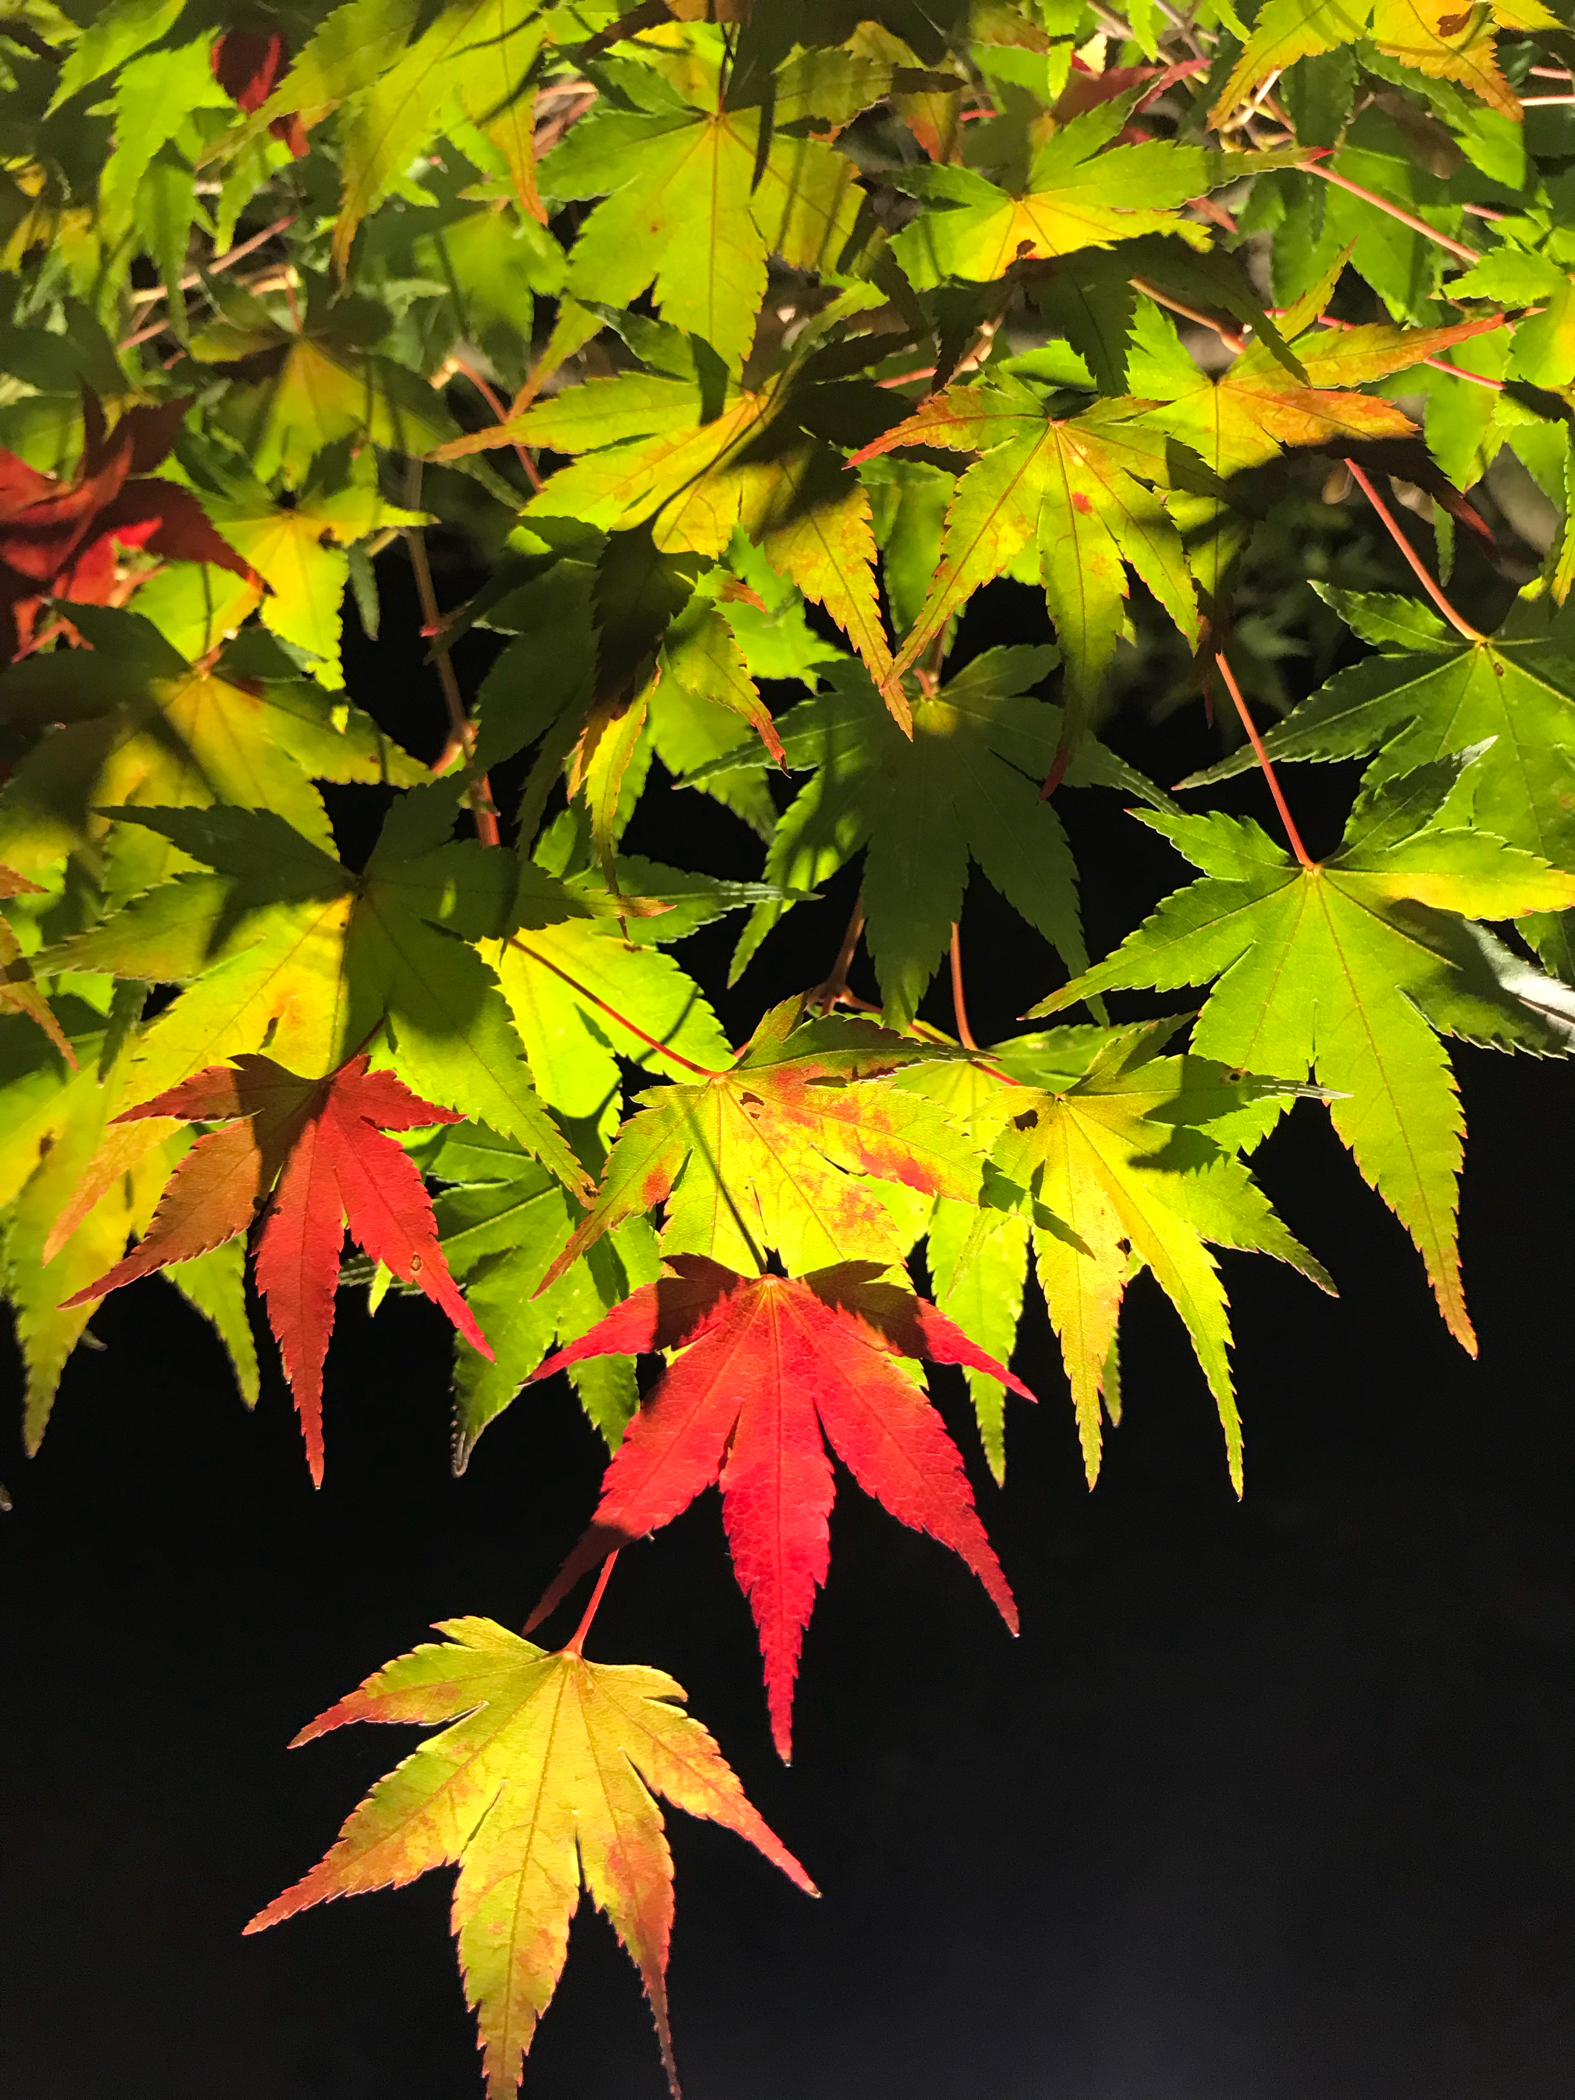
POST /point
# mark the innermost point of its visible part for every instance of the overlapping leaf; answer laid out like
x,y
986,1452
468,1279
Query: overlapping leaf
x,y
778,1152
139,726
769,1370
1344,971
1068,501
315,1152
1431,694
282,945
964,787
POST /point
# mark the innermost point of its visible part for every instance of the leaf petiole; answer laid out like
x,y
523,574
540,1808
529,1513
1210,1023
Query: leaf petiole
x,y
1264,761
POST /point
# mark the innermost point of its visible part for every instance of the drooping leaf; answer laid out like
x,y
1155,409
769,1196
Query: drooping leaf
x,y
777,1151
770,1369
1344,971
965,786
140,726
315,1151
543,1776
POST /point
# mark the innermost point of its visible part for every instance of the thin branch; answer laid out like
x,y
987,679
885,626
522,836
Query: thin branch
x,y
1418,567
833,988
584,991
1227,336
461,730
1406,218
959,1003
193,278
1264,761
500,413
576,1641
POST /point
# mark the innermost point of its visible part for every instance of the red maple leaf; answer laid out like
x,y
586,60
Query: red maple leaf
x,y
247,64
62,539
772,1369
318,1145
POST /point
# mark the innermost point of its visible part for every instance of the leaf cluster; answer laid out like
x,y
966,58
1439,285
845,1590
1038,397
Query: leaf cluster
x,y
833,435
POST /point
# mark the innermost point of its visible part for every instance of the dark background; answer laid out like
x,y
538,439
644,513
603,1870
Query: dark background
x,y
1269,1802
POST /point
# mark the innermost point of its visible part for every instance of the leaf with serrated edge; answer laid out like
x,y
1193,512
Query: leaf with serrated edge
x,y
543,1775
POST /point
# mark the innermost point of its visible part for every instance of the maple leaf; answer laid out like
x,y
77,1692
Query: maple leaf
x,y
283,946
1438,39
1072,195
773,1152
17,989
315,1150
544,1775
502,1221
1069,501
964,786
769,1369
690,157
1431,694
659,448
1124,1162
139,724
1245,414
1345,970
294,392
298,547
246,63
62,539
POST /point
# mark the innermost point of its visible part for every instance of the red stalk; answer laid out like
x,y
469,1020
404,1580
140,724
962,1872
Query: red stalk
x,y
1364,483
1264,761
576,1643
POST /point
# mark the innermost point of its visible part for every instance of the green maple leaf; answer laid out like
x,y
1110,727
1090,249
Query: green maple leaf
x,y
685,452
294,392
1442,43
1245,414
1075,194
964,787
1350,970
781,1150
502,1223
60,1222
1430,694
139,725
1067,501
300,548
1107,1157
681,159
1122,1173
567,987
283,947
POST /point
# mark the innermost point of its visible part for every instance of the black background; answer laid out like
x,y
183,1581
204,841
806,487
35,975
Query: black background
x,y
1269,1802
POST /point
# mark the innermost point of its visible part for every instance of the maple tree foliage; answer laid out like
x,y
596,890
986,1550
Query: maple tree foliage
x,y
907,429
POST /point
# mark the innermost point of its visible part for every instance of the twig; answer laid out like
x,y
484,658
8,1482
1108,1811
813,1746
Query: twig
x,y
499,413
1544,101
1419,568
1227,336
193,278
1406,218
584,991
959,1003
833,988
461,730
576,1641
1264,761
